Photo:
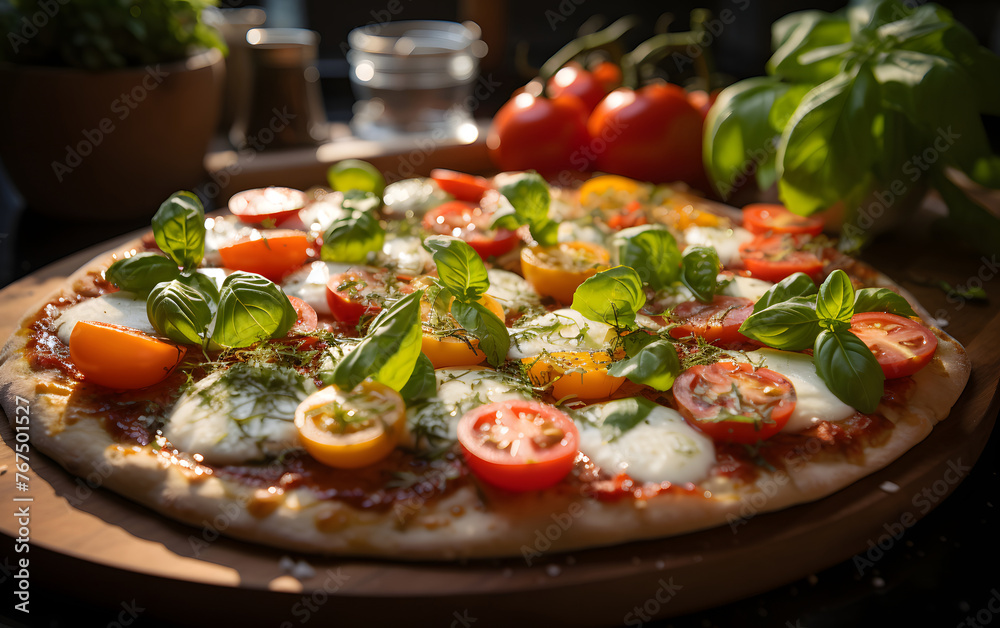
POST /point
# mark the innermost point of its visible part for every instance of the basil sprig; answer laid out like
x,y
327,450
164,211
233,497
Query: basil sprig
x,y
529,197
463,275
140,272
796,316
351,239
179,229
179,311
251,308
614,297
389,352
652,252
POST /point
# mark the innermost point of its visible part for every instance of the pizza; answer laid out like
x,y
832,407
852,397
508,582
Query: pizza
x,y
459,367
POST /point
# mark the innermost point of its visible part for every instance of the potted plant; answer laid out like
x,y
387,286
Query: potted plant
x,y
106,107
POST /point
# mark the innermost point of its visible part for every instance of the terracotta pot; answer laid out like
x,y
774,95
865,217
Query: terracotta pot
x,y
108,145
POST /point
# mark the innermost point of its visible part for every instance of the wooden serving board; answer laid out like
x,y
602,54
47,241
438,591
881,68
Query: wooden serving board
x,y
190,576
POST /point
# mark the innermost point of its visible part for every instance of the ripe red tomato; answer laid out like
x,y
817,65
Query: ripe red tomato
x,y
573,79
651,134
717,322
902,346
270,206
464,187
357,292
760,218
774,257
702,100
519,445
544,134
469,222
733,402
306,319
608,74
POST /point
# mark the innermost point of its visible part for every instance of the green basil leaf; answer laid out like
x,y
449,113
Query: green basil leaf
x,y
529,196
655,365
836,297
740,140
251,309
795,285
881,300
652,252
459,267
203,284
700,271
789,325
967,219
179,312
494,339
351,239
635,341
362,201
179,229
422,383
612,296
621,415
900,24
141,272
868,18
849,369
390,351
814,50
828,149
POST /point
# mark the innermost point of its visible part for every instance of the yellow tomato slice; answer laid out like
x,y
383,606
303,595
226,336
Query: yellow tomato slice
x,y
557,271
581,374
610,191
457,350
121,357
351,429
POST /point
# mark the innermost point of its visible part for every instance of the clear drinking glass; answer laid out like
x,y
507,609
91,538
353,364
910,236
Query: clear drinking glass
x,y
413,77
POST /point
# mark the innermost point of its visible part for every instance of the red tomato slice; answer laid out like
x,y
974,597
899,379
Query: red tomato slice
x,y
469,222
760,218
717,322
271,205
901,345
464,187
307,320
121,357
519,445
272,253
733,402
774,257
358,292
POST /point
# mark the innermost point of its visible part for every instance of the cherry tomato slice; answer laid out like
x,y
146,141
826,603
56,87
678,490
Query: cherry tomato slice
x,y
717,322
272,253
469,222
761,218
446,351
901,345
357,292
519,445
121,357
733,402
464,187
774,257
578,374
307,319
557,271
267,206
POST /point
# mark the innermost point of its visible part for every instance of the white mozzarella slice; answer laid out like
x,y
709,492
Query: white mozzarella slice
x,y
309,283
242,414
406,256
220,231
561,330
660,448
725,241
458,391
747,287
118,308
512,291
815,402
316,216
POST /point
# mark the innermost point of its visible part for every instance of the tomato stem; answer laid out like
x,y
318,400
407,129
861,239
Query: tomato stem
x,y
600,39
659,46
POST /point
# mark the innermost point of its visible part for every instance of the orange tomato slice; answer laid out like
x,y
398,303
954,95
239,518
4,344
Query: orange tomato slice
x,y
451,351
579,374
121,357
557,271
272,253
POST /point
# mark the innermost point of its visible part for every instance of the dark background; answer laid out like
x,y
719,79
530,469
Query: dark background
x,y
944,570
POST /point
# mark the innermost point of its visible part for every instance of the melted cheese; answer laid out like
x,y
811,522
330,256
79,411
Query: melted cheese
x,y
661,448
561,330
747,287
118,308
245,413
512,291
815,401
406,256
